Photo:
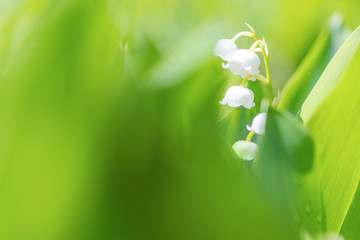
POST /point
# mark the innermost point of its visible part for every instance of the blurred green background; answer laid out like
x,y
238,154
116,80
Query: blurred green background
x,y
109,116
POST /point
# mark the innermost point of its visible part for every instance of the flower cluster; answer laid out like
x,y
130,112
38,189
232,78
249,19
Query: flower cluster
x,y
245,63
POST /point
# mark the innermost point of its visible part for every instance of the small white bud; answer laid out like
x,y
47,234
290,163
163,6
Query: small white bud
x,y
237,96
225,48
277,99
246,150
250,27
244,62
258,124
266,47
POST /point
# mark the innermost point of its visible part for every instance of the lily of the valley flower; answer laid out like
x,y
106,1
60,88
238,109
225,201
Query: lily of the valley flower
x,y
244,62
258,124
241,62
237,96
225,48
246,150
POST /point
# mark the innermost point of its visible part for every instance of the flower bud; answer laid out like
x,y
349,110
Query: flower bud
x,y
237,96
246,150
258,124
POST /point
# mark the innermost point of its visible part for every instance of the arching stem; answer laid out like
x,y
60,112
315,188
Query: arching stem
x,y
250,136
243,83
267,69
248,34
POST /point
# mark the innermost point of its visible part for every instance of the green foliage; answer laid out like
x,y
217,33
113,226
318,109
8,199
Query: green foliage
x,y
301,83
284,165
335,127
330,113
350,228
288,141
110,126
332,75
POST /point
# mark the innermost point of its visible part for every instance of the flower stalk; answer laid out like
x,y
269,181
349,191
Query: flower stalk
x,y
264,51
250,136
244,81
248,34
268,76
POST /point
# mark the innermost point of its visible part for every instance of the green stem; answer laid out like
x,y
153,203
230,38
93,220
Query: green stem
x,y
267,69
248,34
245,80
250,136
268,83
260,77
255,44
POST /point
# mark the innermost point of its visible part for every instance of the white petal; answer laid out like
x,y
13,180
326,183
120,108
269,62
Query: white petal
x,y
257,71
246,150
225,48
244,62
258,124
237,96
225,66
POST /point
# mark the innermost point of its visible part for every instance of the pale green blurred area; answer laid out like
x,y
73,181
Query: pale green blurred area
x,y
289,27
109,117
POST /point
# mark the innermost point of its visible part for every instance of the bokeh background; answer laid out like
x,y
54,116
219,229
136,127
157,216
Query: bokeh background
x,y
110,126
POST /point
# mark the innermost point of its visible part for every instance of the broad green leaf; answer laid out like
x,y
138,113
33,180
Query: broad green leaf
x,y
288,140
350,229
335,126
299,86
284,164
331,75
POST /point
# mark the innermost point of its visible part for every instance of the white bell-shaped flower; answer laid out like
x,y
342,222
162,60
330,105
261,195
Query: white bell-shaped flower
x,y
258,124
225,48
244,62
246,150
237,96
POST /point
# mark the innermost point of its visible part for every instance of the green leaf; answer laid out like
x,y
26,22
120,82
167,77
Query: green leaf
x,y
332,75
336,127
350,229
299,86
284,163
287,140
